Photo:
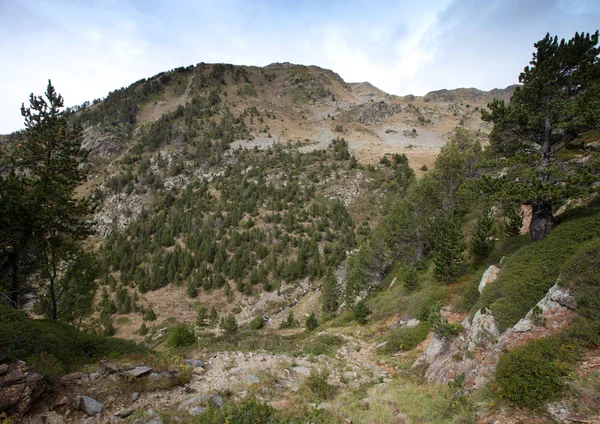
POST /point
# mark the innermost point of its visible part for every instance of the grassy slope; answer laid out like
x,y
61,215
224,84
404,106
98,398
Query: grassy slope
x,y
26,339
532,270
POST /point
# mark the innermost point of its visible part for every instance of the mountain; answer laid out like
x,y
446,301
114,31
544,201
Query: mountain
x,y
276,243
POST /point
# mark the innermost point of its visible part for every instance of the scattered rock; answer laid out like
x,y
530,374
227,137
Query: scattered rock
x,y
197,410
123,413
302,371
3,369
60,400
199,371
90,406
73,376
280,405
195,363
20,387
138,372
201,400
160,333
411,323
380,345
252,379
135,396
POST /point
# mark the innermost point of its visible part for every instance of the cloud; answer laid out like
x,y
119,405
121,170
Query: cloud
x,y
89,48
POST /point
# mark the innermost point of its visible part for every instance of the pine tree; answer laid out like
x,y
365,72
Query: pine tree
x,y
448,250
40,219
229,324
329,294
482,241
557,101
312,322
513,221
411,282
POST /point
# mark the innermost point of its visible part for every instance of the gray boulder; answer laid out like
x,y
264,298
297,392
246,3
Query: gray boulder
x,y
90,406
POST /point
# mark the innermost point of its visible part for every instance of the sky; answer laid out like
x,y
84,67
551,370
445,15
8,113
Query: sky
x,y
88,47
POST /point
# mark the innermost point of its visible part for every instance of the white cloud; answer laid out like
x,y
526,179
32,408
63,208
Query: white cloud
x,y
91,48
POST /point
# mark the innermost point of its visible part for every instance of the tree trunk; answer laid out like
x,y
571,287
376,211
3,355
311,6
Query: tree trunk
x,y
14,295
546,151
542,221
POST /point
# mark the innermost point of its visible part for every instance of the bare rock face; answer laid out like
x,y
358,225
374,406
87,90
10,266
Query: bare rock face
x,y
489,276
102,143
20,387
373,113
474,353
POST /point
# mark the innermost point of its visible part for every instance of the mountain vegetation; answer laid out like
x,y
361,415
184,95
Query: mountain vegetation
x,y
242,229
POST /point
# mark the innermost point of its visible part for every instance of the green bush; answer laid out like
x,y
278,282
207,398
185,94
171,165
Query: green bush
x,y
149,315
290,322
360,312
257,323
533,374
581,275
46,364
22,337
229,324
405,338
316,382
143,330
312,322
411,283
180,335
323,345
533,269
251,411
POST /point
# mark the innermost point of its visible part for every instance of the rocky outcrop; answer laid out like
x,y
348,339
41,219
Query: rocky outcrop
x,y
489,276
474,353
102,143
20,387
374,113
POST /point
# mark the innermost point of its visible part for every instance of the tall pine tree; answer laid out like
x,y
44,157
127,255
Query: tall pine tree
x,y
482,242
448,250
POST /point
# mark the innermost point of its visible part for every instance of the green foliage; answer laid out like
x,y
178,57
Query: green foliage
x,y
533,269
180,335
455,164
405,338
201,315
257,323
555,103
329,294
323,345
533,374
47,365
23,337
290,322
312,322
229,324
513,220
411,282
47,164
482,241
143,330
360,312
441,326
448,250
316,382
251,411
149,315
581,275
